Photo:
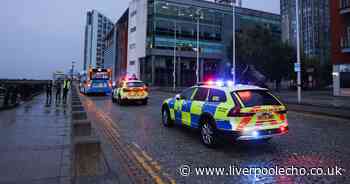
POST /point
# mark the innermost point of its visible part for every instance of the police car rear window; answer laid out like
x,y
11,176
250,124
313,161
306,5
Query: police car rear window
x,y
135,84
251,98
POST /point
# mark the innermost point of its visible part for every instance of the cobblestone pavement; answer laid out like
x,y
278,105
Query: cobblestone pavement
x,y
313,141
34,144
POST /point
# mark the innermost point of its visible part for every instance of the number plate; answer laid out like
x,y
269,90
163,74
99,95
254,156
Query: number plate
x,y
264,116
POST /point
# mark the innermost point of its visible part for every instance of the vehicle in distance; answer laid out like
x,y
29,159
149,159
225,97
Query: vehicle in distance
x,y
218,109
130,91
96,81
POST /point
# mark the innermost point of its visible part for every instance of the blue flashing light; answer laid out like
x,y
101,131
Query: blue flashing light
x,y
255,134
220,83
230,83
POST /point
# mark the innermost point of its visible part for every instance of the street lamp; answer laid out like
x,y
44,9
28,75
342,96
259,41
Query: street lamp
x,y
199,15
174,70
233,42
72,72
298,50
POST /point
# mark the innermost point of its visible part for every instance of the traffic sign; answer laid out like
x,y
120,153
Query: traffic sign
x,y
297,67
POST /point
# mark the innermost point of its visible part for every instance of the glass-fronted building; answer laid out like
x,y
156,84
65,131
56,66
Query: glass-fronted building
x,y
171,39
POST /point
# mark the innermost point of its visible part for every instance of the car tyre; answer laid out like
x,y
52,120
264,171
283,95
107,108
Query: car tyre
x,y
208,133
113,99
166,120
144,102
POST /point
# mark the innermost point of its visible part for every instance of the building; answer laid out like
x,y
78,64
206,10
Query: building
x,y
116,47
237,2
314,16
97,26
163,31
152,35
340,52
288,18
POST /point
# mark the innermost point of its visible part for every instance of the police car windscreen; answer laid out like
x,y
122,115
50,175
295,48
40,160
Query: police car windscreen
x,y
251,98
135,84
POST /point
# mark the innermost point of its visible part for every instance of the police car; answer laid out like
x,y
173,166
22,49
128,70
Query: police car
x,y
130,90
240,112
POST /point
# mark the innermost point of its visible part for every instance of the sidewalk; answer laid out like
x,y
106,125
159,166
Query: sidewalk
x,y
316,102
35,144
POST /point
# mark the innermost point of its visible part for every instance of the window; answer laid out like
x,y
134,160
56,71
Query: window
x,y
251,98
132,46
216,95
187,94
135,84
132,62
201,94
133,13
133,29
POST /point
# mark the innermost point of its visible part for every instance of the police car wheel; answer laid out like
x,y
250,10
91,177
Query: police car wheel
x,y
208,135
144,102
166,121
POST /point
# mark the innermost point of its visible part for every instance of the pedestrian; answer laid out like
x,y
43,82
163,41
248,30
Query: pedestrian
x,y
14,95
66,87
49,92
58,87
7,96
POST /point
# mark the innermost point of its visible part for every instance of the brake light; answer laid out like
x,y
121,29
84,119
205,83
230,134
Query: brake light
x,y
236,112
145,88
283,128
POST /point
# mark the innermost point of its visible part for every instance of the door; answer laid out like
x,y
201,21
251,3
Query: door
x,y
196,106
182,106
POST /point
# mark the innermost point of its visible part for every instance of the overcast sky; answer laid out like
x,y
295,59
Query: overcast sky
x,y
38,37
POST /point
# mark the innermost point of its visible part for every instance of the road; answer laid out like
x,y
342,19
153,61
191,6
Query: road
x,y
313,141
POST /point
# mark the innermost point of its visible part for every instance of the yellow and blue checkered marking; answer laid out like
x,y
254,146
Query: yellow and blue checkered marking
x,y
188,113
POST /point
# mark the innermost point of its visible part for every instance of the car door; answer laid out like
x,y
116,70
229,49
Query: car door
x,y
217,104
181,106
196,106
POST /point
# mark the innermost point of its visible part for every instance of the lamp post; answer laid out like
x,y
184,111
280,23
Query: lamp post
x,y
174,70
72,72
199,16
233,42
298,50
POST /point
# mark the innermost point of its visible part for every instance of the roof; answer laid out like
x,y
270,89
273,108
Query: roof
x,y
238,87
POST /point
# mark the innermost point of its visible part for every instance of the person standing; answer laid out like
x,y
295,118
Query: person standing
x,y
66,87
14,95
49,92
58,87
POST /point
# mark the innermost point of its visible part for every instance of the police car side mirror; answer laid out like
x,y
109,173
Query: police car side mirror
x,y
178,97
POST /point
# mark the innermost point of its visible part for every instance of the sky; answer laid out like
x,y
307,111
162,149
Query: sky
x,y
38,37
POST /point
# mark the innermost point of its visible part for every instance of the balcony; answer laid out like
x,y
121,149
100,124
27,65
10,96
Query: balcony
x,y
345,44
344,7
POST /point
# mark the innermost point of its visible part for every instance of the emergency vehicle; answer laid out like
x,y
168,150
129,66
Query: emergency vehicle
x,y
130,89
223,109
96,81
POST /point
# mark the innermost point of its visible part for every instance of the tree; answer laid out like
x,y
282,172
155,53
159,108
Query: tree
x,y
269,55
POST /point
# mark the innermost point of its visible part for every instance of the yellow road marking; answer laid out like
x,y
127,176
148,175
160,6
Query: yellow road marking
x,y
142,158
148,168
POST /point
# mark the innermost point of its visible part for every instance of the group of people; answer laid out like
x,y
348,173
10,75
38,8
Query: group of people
x,y
58,86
